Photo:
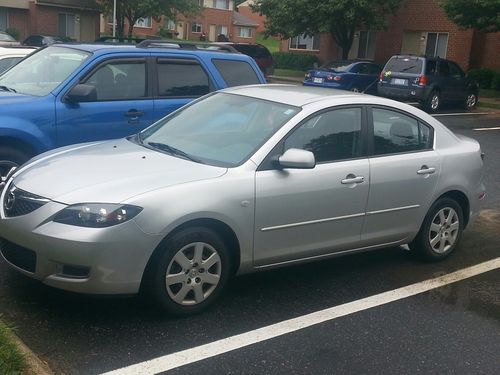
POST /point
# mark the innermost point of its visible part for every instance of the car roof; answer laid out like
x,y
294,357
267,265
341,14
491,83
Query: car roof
x,y
297,96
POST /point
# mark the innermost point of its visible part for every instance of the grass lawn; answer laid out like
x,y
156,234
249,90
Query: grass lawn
x,y
488,105
485,93
11,361
271,44
289,73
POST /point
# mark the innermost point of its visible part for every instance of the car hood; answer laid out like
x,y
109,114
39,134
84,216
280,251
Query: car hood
x,y
110,172
8,98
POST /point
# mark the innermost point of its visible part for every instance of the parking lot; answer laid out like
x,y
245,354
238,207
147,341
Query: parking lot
x,y
450,327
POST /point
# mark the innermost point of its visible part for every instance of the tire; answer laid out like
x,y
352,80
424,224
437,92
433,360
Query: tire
x,y
470,101
433,102
440,232
355,89
11,157
193,287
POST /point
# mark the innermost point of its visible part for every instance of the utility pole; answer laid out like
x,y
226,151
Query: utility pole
x,y
114,18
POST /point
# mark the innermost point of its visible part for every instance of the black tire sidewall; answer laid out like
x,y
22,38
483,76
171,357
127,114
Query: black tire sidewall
x,y
421,245
168,250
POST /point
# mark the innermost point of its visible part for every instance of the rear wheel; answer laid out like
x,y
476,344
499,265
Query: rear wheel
x,y
440,231
191,272
355,89
470,101
433,102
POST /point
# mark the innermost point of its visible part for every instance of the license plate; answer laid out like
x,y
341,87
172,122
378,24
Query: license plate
x,y
399,81
318,80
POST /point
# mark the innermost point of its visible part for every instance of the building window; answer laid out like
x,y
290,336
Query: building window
x,y
144,22
201,3
170,24
222,30
67,25
305,42
196,27
4,19
436,44
221,4
245,32
366,49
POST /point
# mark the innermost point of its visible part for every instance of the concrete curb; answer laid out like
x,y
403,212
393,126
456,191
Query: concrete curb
x,y
35,366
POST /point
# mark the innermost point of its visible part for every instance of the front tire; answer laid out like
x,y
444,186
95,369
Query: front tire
x,y
440,232
433,102
470,101
11,158
191,272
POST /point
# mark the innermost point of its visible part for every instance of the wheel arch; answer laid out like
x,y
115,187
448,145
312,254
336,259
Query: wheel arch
x,y
22,145
462,200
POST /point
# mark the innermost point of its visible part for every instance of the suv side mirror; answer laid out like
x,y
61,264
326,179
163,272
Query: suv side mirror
x,y
297,158
81,93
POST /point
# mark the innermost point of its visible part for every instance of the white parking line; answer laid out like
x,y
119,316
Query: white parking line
x,y
482,129
461,114
228,344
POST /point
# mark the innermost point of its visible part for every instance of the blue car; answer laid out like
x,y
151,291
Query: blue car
x,y
73,93
355,76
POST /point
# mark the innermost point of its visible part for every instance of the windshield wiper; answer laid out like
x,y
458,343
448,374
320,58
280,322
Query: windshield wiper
x,y
173,151
5,88
406,69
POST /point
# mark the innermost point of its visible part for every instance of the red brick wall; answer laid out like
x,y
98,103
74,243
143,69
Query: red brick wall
x,y
256,17
490,56
18,19
328,49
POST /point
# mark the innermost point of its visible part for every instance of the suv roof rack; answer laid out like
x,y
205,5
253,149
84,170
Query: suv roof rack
x,y
117,39
182,44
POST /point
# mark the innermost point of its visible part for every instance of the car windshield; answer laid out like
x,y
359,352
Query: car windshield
x,y
6,38
404,65
338,66
43,71
221,129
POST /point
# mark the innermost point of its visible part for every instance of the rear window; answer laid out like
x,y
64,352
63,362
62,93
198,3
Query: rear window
x,y
182,78
404,65
254,51
236,73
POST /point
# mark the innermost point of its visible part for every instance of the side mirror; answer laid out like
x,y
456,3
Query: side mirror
x,y
297,158
81,93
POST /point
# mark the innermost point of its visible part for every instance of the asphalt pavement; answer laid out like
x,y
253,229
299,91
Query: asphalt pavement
x,y
453,329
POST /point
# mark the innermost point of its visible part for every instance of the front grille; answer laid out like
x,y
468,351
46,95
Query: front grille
x,y
18,202
19,256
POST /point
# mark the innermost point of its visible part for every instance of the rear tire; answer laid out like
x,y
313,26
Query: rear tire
x,y
433,102
440,232
191,271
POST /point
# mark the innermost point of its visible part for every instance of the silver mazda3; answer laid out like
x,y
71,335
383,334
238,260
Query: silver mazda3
x,y
241,180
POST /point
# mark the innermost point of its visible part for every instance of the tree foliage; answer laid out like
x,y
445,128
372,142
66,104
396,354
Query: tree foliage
x,y
133,10
479,14
339,18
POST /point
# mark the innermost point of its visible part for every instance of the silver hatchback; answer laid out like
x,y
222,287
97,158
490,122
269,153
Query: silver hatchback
x,y
241,180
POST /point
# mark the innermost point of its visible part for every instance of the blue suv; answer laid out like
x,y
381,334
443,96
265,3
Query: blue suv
x,y
72,93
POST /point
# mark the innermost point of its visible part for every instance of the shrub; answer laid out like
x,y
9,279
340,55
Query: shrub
x,y
13,32
297,61
495,82
483,76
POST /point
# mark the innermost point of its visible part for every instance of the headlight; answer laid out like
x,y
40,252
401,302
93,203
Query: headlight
x,y
96,215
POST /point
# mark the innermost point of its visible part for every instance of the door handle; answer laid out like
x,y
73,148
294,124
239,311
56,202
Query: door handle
x,y
426,170
134,113
352,179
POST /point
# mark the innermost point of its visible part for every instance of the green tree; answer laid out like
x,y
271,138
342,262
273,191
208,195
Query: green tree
x,y
339,18
133,10
479,14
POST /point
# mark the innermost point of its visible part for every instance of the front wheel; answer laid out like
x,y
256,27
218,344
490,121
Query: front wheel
x,y
192,271
10,158
440,231
433,102
470,101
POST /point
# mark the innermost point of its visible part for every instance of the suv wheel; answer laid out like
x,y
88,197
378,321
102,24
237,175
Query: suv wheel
x,y
433,102
191,272
10,158
470,101
440,231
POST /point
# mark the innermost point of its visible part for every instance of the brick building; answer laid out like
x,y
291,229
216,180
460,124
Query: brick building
x,y
217,17
245,10
419,27
69,18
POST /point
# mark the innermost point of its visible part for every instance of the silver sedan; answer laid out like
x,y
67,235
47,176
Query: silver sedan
x,y
241,180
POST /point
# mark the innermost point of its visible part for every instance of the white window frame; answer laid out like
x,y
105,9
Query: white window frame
x,y
242,35
303,37
66,34
437,40
220,27
226,6
195,26
146,21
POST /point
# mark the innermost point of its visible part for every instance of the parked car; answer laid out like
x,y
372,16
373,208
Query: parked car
x,y
355,76
245,179
258,52
43,40
429,80
10,56
72,93
7,41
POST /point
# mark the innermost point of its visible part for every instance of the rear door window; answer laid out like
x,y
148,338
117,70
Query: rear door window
x,y
236,73
182,78
404,65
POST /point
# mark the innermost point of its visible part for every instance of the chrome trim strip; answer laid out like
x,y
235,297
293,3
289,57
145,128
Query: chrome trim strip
x,y
32,199
311,222
393,209
359,249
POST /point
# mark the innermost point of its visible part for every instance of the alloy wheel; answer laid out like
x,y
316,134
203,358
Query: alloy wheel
x,y
471,100
435,102
444,230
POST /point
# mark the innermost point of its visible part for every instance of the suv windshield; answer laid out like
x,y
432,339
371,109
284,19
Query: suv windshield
x,y
43,71
404,65
221,129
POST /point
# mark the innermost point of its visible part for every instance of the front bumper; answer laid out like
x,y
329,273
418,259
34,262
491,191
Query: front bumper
x,y
115,257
